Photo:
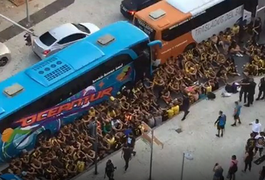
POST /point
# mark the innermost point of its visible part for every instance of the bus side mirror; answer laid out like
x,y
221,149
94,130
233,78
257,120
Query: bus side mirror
x,y
156,42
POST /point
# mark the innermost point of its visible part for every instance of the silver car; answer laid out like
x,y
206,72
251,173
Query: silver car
x,y
5,55
61,37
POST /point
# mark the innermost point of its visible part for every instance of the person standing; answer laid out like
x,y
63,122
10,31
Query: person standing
x,y
185,105
220,122
233,168
251,92
237,111
248,160
251,142
126,155
256,127
259,143
109,170
241,32
261,85
218,172
244,89
131,143
257,30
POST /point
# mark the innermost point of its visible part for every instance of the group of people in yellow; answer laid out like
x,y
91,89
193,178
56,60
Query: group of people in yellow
x,y
72,150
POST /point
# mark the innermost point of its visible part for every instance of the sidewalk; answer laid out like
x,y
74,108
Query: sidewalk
x,y
198,136
15,13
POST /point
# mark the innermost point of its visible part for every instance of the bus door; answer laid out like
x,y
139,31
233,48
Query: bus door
x,y
250,8
142,67
261,14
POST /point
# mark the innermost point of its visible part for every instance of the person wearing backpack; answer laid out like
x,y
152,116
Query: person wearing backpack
x,y
233,168
248,160
259,143
109,170
220,122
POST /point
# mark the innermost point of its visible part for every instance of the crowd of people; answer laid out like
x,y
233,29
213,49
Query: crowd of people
x,y
181,81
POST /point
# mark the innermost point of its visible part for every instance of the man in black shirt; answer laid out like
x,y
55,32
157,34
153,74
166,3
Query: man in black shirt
x,y
185,105
251,92
131,143
261,89
126,155
244,89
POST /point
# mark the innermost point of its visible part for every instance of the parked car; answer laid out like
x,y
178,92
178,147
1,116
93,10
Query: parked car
x,y
60,37
5,54
129,7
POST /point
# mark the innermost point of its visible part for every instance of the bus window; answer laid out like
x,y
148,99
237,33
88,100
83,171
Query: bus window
x,y
176,31
146,28
122,59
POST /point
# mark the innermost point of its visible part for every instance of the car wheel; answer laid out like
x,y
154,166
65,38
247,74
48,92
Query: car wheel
x,y
3,61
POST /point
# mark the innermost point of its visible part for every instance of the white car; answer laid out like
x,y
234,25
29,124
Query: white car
x,y
61,37
5,55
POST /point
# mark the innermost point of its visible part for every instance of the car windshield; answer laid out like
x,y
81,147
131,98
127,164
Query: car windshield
x,y
47,39
82,28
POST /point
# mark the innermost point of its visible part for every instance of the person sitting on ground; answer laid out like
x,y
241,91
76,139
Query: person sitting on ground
x,y
234,49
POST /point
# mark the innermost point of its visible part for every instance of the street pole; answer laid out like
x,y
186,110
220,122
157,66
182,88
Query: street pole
x,y
182,167
13,22
151,154
96,148
27,11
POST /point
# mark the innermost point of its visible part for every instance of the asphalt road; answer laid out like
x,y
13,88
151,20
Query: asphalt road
x,y
99,12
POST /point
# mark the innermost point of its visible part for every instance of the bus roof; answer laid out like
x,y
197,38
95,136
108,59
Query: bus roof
x,y
60,68
175,11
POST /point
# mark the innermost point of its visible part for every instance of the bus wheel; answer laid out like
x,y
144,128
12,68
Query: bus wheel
x,y
45,135
190,46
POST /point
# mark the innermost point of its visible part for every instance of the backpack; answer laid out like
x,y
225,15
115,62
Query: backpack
x,y
233,169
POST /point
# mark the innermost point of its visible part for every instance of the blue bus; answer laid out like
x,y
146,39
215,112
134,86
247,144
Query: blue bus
x,y
36,102
9,177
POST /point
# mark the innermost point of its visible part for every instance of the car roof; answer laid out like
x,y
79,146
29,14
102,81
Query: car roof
x,y
63,31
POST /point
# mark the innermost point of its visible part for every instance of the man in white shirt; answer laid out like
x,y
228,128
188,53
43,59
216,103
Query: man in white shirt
x,y
259,143
256,127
